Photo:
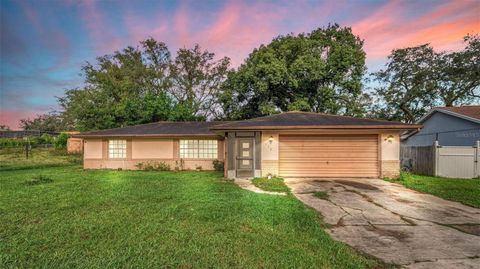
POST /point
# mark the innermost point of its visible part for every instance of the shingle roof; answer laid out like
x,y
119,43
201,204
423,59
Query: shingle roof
x,y
288,120
310,120
163,128
469,111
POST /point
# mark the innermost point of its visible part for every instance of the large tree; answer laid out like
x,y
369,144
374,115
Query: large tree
x,y
418,78
50,122
143,84
196,78
406,90
320,71
125,88
457,74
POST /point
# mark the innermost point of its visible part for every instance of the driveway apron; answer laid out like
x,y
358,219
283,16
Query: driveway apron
x,y
395,224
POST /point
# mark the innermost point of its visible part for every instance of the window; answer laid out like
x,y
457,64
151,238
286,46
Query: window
x,y
117,149
198,149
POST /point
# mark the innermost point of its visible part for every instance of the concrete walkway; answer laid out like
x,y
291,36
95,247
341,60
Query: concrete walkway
x,y
247,185
396,224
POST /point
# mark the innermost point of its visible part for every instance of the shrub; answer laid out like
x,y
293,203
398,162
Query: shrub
x,y
47,139
180,165
153,166
43,139
40,179
5,142
163,167
61,141
218,165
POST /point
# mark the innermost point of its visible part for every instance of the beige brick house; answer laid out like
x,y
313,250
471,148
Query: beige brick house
x,y
292,144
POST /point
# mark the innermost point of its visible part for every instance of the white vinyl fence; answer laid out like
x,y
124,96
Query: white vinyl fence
x,y
444,161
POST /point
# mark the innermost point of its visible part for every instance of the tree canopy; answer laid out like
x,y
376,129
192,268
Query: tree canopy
x,y
319,71
143,84
50,122
418,78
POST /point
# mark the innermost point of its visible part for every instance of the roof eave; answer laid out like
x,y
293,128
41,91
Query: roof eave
x,y
448,112
143,135
316,127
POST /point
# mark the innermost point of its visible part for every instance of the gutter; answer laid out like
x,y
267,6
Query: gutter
x,y
326,127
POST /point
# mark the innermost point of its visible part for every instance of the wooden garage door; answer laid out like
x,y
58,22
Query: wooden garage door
x,y
329,156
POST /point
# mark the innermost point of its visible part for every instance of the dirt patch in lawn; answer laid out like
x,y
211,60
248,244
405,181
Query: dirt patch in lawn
x,y
357,184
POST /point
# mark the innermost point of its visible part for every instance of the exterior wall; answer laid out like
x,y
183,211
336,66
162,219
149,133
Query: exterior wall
x,y
390,155
152,149
74,145
143,150
93,149
451,130
270,153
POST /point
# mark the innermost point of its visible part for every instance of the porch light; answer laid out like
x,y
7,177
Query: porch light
x,y
270,139
389,139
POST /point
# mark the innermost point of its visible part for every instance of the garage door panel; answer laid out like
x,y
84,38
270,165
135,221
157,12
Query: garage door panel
x,y
333,162
329,156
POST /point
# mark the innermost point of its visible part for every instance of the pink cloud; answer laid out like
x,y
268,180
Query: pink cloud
x,y
452,33
180,25
443,27
53,39
104,40
31,14
226,21
138,29
235,29
12,118
240,27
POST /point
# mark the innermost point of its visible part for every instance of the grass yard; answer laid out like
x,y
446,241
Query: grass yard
x,y
274,184
466,191
61,216
14,159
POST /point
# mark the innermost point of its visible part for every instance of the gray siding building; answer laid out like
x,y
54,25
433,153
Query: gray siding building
x,y
450,126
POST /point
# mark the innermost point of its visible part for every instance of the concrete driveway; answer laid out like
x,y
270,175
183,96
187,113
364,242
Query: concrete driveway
x,y
395,224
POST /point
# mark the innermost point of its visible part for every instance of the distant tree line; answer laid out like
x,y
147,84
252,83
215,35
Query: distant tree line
x,y
59,142
321,71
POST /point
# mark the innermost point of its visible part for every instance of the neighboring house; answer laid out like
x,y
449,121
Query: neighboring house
x,y
450,126
74,144
292,144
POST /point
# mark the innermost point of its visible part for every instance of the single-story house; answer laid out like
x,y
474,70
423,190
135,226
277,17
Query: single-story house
x,y
292,144
450,126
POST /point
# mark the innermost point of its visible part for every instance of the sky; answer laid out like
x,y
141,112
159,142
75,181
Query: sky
x,y
44,43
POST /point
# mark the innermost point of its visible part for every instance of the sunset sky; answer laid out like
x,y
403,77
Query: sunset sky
x,y
44,43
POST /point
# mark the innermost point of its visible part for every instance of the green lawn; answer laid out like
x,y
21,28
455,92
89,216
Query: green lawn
x,y
274,184
14,159
65,217
466,191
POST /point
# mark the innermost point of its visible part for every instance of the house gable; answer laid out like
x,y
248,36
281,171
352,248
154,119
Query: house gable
x,y
450,130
